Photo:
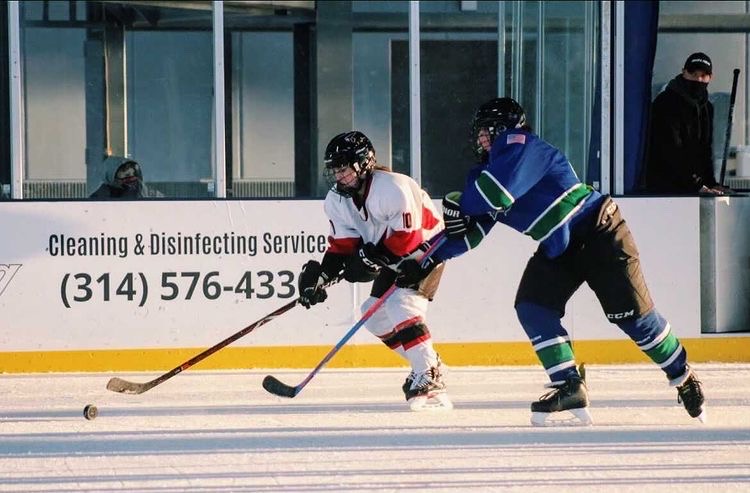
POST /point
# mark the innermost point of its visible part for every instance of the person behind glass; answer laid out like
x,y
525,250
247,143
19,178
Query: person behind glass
x,y
680,154
123,179
378,219
530,186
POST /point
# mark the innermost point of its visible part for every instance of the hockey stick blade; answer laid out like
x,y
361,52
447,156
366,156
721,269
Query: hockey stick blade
x,y
277,387
121,386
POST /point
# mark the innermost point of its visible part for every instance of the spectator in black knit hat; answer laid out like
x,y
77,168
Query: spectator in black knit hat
x,y
680,155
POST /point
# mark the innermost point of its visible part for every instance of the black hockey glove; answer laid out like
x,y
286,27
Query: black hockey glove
x,y
411,272
375,257
456,223
310,284
365,264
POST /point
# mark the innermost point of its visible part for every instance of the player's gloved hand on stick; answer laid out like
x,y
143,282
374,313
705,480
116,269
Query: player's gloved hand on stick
x,y
373,257
366,262
412,272
310,284
456,223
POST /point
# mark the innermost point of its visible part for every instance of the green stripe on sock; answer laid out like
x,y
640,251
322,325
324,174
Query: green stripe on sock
x,y
555,355
664,350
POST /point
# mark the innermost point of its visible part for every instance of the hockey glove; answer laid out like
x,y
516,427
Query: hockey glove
x,y
310,284
411,272
365,264
456,223
375,257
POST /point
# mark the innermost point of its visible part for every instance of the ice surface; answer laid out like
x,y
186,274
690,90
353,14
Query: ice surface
x,y
351,431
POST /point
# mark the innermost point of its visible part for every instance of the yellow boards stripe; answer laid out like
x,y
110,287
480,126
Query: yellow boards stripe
x,y
719,349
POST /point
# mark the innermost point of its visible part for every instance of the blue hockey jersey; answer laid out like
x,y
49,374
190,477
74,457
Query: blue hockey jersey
x,y
529,185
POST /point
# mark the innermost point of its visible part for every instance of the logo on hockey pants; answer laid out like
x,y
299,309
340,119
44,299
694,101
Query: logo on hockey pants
x,y
621,315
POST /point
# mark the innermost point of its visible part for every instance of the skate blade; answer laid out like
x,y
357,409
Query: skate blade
x,y
571,417
434,402
702,417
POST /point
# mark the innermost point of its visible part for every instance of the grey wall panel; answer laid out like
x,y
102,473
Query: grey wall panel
x,y
55,103
265,94
170,87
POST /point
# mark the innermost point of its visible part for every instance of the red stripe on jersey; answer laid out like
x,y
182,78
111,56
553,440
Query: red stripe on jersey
x,y
344,246
429,221
404,242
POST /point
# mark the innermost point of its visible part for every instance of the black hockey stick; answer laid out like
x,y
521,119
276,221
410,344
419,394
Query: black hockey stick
x,y
729,126
277,387
122,386
116,384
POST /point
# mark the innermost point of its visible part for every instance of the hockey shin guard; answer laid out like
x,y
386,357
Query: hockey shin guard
x,y
653,335
550,340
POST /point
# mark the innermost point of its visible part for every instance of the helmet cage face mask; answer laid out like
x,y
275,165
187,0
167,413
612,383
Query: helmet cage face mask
x,y
354,151
496,117
493,130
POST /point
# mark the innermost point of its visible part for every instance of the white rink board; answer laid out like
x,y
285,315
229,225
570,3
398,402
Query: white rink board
x,y
475,300
39,288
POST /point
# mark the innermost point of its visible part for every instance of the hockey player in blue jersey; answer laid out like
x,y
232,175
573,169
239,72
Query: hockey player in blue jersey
x,y
529,185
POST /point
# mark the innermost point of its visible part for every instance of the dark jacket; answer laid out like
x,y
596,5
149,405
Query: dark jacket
x,y
111,189
680,155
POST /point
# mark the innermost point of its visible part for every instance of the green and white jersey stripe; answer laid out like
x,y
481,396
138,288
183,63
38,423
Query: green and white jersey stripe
x,y
493,192
558,212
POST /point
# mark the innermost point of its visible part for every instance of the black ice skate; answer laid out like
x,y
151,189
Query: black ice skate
x,y
571,396
690,393
410,378
407,384
428,391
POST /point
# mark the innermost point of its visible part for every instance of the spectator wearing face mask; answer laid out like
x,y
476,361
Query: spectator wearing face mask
x,y
123,179
680,154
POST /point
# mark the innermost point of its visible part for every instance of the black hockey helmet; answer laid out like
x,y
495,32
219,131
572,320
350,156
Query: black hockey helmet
x,y
496,116
349,149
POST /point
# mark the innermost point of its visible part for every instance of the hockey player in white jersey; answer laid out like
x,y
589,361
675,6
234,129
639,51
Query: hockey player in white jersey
x,y
378,220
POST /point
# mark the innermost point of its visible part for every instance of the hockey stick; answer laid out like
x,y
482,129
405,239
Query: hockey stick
x,y
122,386
729,126
277,387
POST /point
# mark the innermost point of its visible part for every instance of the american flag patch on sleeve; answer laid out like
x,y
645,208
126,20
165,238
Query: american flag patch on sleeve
x,y
516,139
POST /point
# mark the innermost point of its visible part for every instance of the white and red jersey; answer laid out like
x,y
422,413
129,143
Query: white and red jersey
x,y
394,210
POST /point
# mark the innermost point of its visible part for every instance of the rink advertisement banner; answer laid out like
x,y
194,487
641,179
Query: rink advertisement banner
x,y
177,275
135,274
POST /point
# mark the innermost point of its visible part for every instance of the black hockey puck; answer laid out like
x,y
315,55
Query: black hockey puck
x,y
90,412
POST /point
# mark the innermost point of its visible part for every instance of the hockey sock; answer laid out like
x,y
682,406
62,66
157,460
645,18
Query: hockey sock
x,y
417,344
550,340
653,335
393,341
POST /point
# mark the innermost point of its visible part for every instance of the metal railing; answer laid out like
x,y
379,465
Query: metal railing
x,y
76,189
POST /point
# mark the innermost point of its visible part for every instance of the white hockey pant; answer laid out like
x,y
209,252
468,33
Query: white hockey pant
x,y
400,324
